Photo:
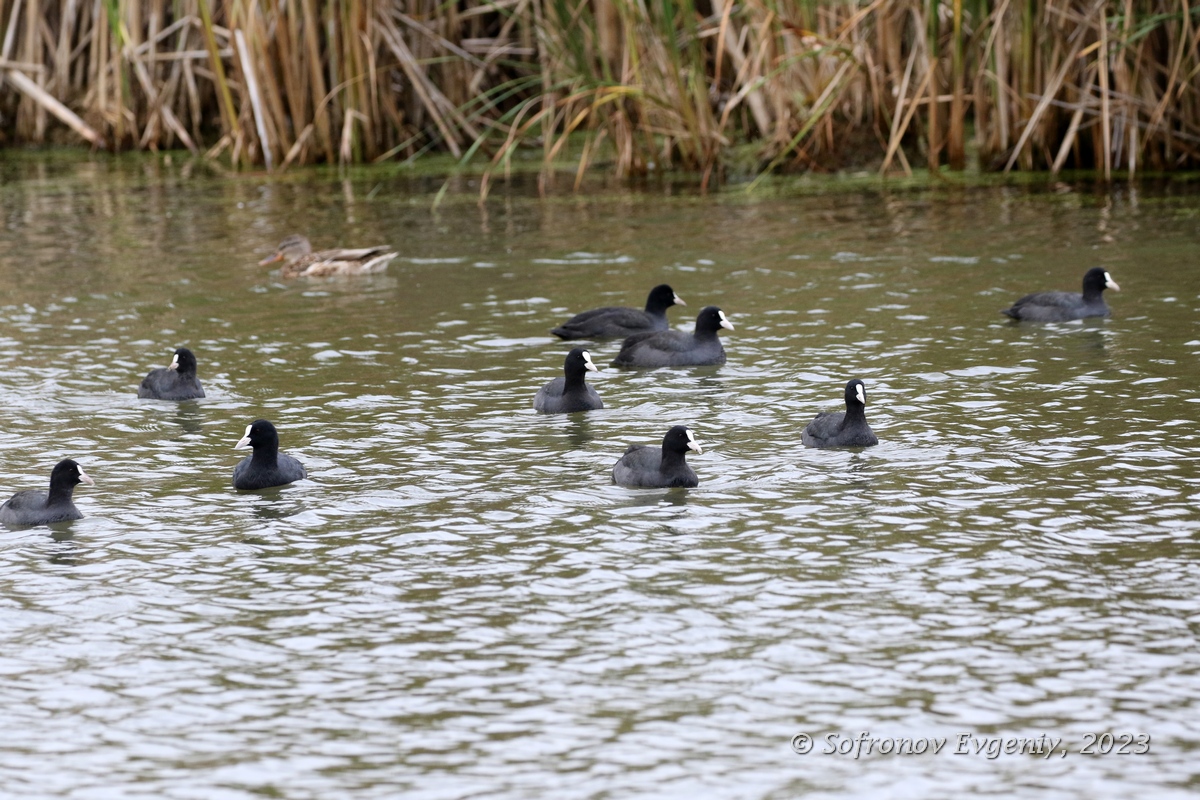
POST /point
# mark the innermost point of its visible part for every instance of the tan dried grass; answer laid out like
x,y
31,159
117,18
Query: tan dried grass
x,y
640,84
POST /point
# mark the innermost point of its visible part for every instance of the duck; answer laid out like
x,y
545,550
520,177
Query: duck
x,y
676,348
177,381
33,507
659,468
1067,306
299,260
570,393
618,322
847,428
266,467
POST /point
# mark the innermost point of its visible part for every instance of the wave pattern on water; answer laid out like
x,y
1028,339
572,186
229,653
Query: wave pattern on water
x,y
459,602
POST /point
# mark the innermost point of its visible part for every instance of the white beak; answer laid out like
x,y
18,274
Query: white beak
x,y
678,300
244,441
174,362
860,395
85,478
692,443
587,359
725,323
1109,283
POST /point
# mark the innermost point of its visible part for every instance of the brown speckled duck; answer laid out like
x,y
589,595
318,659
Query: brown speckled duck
x,y
299,260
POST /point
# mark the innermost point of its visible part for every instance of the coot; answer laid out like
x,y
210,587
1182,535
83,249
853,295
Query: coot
x,y
571,392
1064,306
613,322
676,348
847,428
32,507
267,466
654,467
175,382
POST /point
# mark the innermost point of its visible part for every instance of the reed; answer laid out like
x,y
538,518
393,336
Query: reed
x,y
638,85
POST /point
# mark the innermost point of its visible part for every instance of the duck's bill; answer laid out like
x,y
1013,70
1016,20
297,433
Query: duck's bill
x,y
174,362
271,259
85,478
244,441
678,300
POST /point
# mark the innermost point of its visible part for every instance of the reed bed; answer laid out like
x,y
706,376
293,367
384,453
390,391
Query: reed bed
x,y
639,85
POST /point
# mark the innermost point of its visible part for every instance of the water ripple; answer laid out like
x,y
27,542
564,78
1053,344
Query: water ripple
x,y
459,602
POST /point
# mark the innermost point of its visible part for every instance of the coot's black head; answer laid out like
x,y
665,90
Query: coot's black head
x,y
68,474
259,433
184,362
1096,280
579,362
663,297
711,319
856,394
680,439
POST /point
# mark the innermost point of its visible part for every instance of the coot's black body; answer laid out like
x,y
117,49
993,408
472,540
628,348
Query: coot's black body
x,y
676,348
1066,306
267,466
659,467
176,382
613,322
847,428
570,392
33,507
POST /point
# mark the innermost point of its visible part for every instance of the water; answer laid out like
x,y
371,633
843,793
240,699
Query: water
x,y
459,603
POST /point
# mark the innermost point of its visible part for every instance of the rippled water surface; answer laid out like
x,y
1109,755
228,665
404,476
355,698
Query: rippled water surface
x,y
458,603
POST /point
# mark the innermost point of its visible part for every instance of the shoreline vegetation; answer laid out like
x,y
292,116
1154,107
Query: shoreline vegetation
x,y
636,85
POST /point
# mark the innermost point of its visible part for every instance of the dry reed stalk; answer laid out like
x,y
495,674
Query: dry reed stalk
x,y
23,84
1068,140
956,145
229,114
1105,115
1045,103
673,83
255,100
312,55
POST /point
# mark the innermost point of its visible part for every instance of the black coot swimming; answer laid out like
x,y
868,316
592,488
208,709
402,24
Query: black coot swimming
x,y
1065,306
33,507
267,466
612,322
175,382
570,392
655,467
676,348
847,428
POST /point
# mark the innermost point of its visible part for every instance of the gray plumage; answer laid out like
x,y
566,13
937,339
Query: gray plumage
x,y
847,428
569,393
175,382
1066,306
34,507
659,467
614,322
267,466
676,348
